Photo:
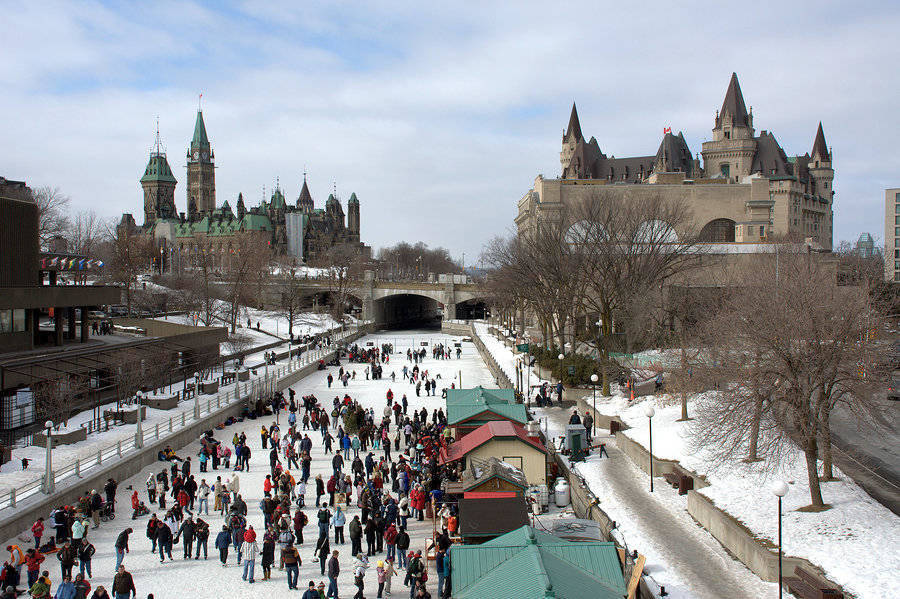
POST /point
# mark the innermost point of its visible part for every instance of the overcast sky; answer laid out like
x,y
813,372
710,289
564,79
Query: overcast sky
x,y
438,115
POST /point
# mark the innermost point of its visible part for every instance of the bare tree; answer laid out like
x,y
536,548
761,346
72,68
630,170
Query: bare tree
x,y
84,236
53,216
786,348
56,398
343,266
630,250
130,254
406,260
246,273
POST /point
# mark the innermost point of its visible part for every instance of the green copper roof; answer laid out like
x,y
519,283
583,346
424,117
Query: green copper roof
x,y
200,141
353,199
529,564
463,404
256,222
158,169
277,200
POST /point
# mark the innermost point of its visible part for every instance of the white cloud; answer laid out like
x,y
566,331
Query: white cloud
x,y
438,119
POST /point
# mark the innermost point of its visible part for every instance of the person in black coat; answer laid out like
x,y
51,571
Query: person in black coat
x,y
186,532
164,540
223,540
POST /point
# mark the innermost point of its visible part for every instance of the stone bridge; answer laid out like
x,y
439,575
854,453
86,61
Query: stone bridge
x,y
392,303
402,303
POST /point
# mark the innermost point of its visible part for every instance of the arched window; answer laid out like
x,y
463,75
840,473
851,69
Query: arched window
x,y
718,230
585,231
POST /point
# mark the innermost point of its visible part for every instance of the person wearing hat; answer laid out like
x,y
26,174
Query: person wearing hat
x,y
360,565
311,592
379,571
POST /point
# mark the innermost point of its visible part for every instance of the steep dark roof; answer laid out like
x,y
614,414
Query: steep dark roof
x,y
770,159
574,127
200,140
631,167
819,146
305,198
734,104
674,155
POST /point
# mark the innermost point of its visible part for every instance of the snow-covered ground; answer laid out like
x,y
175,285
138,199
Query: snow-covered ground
x,y
841,540
64,456
678,551
206,578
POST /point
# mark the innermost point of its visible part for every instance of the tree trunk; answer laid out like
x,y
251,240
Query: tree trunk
x,y
754,429
827,470
812,474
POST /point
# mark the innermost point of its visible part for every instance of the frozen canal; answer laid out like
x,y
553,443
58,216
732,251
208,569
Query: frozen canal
x,y
207,578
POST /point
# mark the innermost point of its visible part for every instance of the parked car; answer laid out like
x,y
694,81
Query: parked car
x,y
893,392
96,315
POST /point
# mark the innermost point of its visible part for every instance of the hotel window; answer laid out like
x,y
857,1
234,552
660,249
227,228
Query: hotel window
x,y
897,254
896,208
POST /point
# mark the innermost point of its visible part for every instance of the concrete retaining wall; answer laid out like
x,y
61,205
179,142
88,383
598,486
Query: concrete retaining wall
x,y
120,469
743,545
74,436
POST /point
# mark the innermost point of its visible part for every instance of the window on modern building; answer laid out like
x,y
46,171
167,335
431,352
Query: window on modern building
x,y
897,198
897,254
12,321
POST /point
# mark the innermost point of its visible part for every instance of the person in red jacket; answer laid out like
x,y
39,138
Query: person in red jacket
x,y
184,500
267,486
37,529
33,560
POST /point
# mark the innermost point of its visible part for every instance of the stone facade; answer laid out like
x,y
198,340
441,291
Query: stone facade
x,y
210,230
745,190
892,234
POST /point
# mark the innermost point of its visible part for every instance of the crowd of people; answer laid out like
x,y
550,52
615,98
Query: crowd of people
x,y
384,473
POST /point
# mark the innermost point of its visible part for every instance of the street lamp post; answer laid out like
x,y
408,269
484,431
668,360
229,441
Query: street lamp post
x,y
650,412
602,364
780,489
49,485
197,398
594,379
561,358
139,435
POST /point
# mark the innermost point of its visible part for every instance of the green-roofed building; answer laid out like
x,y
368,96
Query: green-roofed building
x,y
467,409
530,564
207,231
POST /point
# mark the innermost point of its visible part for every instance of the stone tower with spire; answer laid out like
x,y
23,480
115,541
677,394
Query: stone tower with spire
x,y
305,201
158,184
731,152
201,173
353,218
571,138
820,168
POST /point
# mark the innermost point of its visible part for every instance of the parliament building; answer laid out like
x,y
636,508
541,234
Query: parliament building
x,y
298,230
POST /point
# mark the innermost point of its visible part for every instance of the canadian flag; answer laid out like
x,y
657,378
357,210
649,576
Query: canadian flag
x,y
667,130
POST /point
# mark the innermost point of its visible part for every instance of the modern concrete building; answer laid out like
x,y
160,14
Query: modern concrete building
x,y
34,310
892,234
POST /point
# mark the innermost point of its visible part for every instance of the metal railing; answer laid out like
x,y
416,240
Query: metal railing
x,y
260,386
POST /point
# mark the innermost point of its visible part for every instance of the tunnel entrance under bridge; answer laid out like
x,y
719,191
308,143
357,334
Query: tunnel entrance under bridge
x,y
408,311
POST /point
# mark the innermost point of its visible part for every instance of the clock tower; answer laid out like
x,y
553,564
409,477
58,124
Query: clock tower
x,y
201,173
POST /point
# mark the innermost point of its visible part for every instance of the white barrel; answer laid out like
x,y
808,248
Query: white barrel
x,y
561,493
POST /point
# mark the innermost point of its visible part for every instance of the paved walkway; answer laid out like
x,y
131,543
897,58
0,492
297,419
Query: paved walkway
x,y
681,555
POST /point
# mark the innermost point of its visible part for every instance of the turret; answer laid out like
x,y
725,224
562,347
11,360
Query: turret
x,y
571,138
158,184
820,168
241,208
305,201
353,217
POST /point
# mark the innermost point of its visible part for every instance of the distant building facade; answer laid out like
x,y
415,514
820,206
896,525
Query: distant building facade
x,y
299,230
741,188
892,234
